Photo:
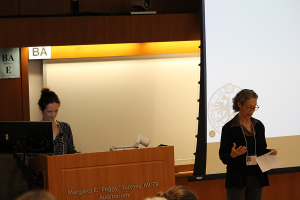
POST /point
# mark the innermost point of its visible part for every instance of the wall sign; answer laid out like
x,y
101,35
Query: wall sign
x,y
116,192
39,52
9,63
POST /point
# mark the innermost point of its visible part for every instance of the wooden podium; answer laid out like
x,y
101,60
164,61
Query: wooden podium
x,y
123,174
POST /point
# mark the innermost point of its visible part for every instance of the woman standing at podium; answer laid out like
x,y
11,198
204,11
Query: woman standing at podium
x,y
49,104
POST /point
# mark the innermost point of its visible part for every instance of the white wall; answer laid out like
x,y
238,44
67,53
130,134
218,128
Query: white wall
x,y
35,73
109,101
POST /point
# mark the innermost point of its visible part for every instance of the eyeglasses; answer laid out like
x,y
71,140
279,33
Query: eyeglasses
x,y
252,108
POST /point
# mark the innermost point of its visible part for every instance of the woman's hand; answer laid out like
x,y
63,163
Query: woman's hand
x,y
237,152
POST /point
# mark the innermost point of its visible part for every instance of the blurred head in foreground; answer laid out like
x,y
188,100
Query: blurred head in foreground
x,y
178,193
36,195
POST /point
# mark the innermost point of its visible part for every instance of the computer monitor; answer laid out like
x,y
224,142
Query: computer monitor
x,y
33,137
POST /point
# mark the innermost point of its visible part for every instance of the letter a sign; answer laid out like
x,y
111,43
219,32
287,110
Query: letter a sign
x,y
9,63
39,53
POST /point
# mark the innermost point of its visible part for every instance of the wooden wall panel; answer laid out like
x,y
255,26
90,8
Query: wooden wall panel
x,y
9,8
59,31
209,190
24,55
105,6
171,6
10,99
282,186
14,98
63,7
122,6
44,7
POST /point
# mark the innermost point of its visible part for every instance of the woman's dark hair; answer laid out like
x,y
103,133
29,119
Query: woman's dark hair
x,y
47,97
242,96
178,193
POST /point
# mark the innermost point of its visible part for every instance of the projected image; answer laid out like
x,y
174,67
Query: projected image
x,y
246,49
220,110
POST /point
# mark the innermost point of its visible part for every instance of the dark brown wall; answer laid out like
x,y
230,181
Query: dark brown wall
x,y
9,8
14,93
63,7
10,100
57,31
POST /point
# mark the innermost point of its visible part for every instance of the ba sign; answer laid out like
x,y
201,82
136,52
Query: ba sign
x,y
39,53
9,63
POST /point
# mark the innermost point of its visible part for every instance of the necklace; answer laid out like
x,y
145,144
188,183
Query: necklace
x,y
245,136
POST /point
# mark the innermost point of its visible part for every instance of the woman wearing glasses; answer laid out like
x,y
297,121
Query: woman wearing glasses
x,y
242,140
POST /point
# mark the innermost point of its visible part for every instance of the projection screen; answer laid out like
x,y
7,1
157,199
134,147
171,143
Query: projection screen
x,y
254,45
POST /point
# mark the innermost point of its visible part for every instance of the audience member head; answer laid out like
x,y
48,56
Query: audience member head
x,y
46,98
36,195
156,198
178,193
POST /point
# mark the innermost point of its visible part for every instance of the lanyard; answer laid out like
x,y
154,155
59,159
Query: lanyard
x,y
245,136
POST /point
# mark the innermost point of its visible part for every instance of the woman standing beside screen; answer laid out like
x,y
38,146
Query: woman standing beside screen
x,y
242,140
49,104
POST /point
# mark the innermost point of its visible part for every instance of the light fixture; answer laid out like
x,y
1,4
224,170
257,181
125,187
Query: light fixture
x,y
139,140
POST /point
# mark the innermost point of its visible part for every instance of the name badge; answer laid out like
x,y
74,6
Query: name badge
x,y
251,160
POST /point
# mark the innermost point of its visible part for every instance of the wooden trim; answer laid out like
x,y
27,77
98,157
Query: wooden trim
x,y
184,174
128,49
184,168
24,83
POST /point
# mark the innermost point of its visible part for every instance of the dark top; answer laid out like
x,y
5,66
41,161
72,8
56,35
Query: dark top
x,y
63,142
252,170
237,171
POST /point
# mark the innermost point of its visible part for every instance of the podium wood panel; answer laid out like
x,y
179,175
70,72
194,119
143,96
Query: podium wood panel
x,y
123,174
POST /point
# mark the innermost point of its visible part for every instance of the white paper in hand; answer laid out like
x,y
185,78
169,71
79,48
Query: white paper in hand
x,y
267,162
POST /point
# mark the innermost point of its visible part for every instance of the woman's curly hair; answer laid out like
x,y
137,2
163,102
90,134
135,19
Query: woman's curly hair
x,y
242,96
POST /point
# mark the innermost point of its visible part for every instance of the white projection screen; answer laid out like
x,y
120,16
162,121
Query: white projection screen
x,y
254,45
